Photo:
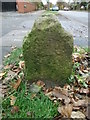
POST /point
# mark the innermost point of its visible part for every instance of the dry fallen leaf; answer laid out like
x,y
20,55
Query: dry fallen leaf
x,y
82,68
63,90
11,74
66,110
4,91
61,95
77,114
3,114
13,100
76,48
85,71
21,64
40,83
17,84
15,109
33,95
28,114
48,90
84,91
13,47
21,56
80,103
76,108
76,57
58,93
16,69
49,94
8,55
7,67
2,74
4,87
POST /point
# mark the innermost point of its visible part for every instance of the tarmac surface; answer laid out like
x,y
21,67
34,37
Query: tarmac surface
x,y
76,23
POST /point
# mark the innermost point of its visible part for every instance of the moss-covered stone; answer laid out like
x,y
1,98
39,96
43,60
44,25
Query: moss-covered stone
x,y
47,51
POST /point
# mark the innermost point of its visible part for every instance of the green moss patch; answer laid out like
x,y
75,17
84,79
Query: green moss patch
x,y
47,51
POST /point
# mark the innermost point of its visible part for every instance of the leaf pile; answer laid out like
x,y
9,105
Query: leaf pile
x,y
12,74
81,68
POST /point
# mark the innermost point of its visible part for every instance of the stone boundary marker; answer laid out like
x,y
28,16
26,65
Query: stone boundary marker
x,y
48,51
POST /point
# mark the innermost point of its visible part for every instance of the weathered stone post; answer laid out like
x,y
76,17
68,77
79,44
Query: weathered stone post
x,y
47,51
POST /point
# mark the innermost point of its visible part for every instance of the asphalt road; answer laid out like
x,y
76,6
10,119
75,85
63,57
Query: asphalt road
x,y
81,17
77,24
14,27
18,21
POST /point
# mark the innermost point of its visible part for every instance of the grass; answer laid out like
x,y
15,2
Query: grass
x,y
14,57
81,50
39,107
50,12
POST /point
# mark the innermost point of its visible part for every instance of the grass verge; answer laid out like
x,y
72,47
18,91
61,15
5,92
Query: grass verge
x,y
50,12
14,58
38,107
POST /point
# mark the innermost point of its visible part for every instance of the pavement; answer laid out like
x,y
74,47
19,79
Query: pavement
x,y
75,23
